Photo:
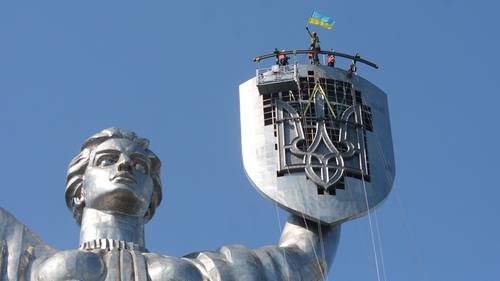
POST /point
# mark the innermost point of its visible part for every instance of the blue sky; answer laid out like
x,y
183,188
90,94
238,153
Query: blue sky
x,y
170,71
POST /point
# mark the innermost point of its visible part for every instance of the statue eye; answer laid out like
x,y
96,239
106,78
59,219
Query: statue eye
x,y
140,168
107,160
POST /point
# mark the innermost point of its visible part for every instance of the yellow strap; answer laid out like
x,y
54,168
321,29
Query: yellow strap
x,y
316,85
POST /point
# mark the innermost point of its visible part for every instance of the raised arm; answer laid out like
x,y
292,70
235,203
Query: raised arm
x,y
307,28
314,245
305,252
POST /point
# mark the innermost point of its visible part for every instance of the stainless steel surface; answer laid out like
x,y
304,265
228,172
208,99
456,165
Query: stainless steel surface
x,y
330,179
113,189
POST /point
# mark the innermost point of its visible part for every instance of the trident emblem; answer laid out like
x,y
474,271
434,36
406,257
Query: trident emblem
x,y
315,141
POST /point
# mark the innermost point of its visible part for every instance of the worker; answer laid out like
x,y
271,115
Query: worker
x,y
331,60
283,59
313,58
352,69
314,45
277,55
314,40
310,56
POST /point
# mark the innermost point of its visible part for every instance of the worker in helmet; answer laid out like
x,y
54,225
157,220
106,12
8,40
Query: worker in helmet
x,y
314,40
283,58
314,44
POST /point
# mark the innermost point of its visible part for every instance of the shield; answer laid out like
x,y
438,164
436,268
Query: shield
x,y
317,142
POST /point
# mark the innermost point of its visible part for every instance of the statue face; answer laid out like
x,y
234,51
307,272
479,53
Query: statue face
x,y
118,179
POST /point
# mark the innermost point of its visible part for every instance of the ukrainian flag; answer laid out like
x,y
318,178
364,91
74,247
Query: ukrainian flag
x,y
321,20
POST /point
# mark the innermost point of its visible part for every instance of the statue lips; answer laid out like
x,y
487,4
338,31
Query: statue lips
x,y
125,178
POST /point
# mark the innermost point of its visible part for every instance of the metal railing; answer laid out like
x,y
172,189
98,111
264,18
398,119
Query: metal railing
x,y
355,58
276,73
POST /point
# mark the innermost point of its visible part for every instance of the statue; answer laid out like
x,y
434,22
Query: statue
x,y
113,189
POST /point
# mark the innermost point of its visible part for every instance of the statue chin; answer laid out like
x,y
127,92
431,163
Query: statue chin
x,y
120,201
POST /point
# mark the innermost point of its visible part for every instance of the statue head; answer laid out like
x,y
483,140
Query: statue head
x,y
116,167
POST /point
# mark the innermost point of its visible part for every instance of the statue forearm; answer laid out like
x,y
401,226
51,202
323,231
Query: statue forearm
x,y
315,241
306,252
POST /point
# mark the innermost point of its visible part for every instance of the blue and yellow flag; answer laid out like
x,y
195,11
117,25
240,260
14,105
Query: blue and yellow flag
x,y
321,20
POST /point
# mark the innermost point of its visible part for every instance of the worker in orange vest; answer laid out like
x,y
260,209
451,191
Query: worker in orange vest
x,y
283,59
310,55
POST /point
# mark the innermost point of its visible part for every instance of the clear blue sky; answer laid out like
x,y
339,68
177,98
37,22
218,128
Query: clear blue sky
x,y
170,71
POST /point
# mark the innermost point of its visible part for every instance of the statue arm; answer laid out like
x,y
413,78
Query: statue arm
x,y
305,252
306,249
20,249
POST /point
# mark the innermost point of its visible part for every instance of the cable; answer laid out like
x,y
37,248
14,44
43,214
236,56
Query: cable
x,y
371,227
281,233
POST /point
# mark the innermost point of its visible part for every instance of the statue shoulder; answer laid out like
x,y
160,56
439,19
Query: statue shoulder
x,y
172,268
68,265
20,246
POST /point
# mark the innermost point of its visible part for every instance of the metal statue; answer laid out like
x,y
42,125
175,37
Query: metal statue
x,y
113,189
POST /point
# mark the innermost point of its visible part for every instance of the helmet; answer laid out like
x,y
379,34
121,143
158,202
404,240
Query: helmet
x,y
284,51
314,32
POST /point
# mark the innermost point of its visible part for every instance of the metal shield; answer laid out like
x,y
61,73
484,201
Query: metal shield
x,y
316,141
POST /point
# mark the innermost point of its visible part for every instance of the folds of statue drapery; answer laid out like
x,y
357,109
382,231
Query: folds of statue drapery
x,y
21,249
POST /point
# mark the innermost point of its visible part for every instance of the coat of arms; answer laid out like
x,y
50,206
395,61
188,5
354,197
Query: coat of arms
x,y
321,131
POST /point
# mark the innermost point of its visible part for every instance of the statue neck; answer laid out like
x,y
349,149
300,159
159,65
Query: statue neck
x,y
101,225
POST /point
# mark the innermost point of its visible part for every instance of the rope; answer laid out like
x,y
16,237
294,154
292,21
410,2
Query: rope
x,y
380,246
359,226
310,98
407,227
371,227
343,99
281,233
316,86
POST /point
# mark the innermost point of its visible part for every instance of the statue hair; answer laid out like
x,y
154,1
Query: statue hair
x,y
74,179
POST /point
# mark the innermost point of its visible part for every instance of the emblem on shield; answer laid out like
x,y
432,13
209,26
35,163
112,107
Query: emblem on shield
x,y
325,144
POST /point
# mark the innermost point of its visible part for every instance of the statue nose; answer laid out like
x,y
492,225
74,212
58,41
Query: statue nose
x,y
125,164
